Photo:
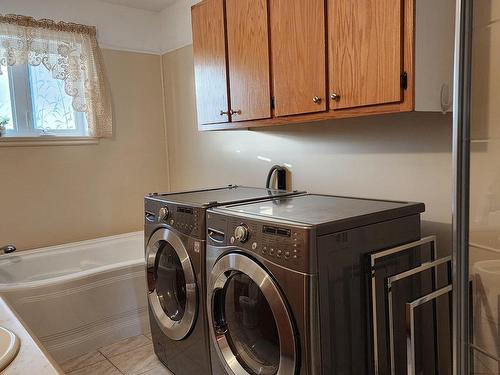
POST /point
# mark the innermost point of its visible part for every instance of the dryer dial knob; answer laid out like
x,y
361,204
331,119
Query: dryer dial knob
x,y
241,233
163,214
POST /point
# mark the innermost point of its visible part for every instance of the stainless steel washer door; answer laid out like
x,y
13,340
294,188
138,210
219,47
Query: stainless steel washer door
x,y
250,324
171,280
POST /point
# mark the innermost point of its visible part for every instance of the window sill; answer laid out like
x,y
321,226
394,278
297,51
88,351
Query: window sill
x,y
46,141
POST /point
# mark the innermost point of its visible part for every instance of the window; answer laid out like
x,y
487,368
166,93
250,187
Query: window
x,y
36,104
53,80
5,101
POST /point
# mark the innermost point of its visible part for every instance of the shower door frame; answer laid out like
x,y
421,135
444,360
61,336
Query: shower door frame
x,y
461,187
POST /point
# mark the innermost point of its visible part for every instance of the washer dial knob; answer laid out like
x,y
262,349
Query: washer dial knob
x,y
241,233
163,214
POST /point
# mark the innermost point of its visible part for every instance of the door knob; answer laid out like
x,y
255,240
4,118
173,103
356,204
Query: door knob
x,y
317,100
238,112
222,113
335,97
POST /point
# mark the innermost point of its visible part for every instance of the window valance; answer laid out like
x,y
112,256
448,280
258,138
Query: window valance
x,y
71,53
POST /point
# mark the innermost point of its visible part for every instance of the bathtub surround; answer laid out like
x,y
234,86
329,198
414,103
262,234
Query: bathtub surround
x,y
81,296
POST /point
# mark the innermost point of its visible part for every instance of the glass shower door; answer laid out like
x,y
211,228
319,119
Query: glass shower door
x,y
484,208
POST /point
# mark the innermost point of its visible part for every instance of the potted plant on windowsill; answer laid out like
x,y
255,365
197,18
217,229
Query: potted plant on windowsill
x,y
4,121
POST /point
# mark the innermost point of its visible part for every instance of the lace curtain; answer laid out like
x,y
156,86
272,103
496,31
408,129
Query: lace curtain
x,y
71,53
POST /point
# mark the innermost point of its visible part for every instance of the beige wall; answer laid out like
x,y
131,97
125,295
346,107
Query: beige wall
x,y
406,156
56,194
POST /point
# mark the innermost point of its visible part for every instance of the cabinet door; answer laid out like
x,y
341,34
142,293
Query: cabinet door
x,y
298,56
248,53
365,52
210,63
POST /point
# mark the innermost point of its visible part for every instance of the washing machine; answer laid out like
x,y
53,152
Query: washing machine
x,y
286,282
175,270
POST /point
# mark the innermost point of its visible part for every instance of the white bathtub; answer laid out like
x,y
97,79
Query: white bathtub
x,y
79,296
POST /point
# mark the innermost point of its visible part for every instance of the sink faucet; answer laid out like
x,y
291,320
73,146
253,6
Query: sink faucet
x,y
7,249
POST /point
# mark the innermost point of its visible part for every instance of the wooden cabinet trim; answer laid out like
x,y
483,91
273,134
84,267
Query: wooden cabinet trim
x,y
407,105
309,118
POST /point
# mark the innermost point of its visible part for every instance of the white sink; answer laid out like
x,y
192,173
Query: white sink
x,y
9,346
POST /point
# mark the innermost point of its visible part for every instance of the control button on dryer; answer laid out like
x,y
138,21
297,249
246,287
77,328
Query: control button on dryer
x,y
254,246
163,214
241,233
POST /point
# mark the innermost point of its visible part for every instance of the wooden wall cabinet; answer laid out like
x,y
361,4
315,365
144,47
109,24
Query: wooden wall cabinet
x,y
365,42
210,62
298,56
248,59
274,62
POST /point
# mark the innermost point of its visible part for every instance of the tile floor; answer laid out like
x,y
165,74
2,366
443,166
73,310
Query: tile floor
x,y
132,356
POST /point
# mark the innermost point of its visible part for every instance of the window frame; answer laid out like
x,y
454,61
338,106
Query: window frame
x,y
22,105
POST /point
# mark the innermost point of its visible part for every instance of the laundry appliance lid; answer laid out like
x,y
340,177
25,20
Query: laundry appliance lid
x,y
219,196
337,213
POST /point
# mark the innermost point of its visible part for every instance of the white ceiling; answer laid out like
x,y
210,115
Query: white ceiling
x,y
153,5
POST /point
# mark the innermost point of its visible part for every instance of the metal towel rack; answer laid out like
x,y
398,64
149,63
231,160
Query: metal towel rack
x,y
410,307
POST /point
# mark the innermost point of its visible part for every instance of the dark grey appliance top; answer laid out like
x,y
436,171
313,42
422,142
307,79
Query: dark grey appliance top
x,y
219,196
336,213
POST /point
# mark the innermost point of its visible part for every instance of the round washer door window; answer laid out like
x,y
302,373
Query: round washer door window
x,y
172,291
170,282
251,327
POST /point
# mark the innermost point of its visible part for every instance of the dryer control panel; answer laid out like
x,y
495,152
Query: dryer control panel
x,y
184,219
282,244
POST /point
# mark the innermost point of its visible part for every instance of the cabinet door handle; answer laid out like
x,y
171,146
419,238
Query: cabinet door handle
x,y
222,113
335,97
237,112
317,100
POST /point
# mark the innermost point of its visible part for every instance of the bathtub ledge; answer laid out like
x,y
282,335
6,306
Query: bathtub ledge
x,y
32,357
